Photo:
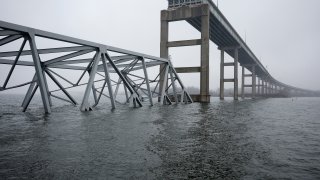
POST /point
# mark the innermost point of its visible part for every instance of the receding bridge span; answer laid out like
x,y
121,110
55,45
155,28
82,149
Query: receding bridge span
x,y
204,16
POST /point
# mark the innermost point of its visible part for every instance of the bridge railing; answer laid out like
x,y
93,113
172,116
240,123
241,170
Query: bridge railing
x,y
178,3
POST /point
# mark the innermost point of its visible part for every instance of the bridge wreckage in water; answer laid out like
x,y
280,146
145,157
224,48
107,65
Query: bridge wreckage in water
x,y
107,72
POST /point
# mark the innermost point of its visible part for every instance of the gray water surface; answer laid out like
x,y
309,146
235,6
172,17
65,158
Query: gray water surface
x,y
250,139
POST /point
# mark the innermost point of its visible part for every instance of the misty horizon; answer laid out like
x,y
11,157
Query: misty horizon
x,y
284,41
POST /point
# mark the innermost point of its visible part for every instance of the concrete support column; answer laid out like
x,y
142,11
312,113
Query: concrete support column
x,y
235,78
266,88
242,83
205,47
222,75
269,88
164,50
236,89
272,89
259,88
253,81
262,88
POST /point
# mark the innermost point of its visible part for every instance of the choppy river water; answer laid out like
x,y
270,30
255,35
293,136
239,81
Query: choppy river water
x,y
250,139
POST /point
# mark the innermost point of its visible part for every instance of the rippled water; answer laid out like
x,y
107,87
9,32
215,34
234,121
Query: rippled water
x,y
250,139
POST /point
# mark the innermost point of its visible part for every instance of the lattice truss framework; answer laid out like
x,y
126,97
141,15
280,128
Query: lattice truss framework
x,y
107,68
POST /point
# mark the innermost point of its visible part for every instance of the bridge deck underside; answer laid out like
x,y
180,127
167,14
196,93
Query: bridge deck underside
x,y
225,36
221,33
222,38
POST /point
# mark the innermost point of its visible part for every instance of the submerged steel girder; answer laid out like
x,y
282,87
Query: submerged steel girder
x,y
124,66
222,34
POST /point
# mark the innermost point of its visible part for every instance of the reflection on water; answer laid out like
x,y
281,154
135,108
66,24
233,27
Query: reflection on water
x,y
250,139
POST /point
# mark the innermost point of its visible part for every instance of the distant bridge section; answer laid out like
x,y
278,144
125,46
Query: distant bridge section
x,y
204,16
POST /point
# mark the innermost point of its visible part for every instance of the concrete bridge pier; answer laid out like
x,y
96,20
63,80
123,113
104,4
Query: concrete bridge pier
x,y
262,88
186,13
235,65
259,87
267,87
273,89
253,81
242,82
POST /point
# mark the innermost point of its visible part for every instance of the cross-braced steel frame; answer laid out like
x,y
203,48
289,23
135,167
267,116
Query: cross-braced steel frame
x,y
130,70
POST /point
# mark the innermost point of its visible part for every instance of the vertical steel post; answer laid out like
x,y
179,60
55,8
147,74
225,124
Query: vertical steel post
x,y
147,80
173,82
108,80
117,88
29,98
29,92
85,101
39,73
173,85
46,83
163,88
126,93
94,93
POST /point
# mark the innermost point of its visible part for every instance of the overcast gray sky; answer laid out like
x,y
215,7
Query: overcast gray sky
x,y
284,34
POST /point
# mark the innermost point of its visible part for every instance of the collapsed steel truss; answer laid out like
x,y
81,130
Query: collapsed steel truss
x,y
137,88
